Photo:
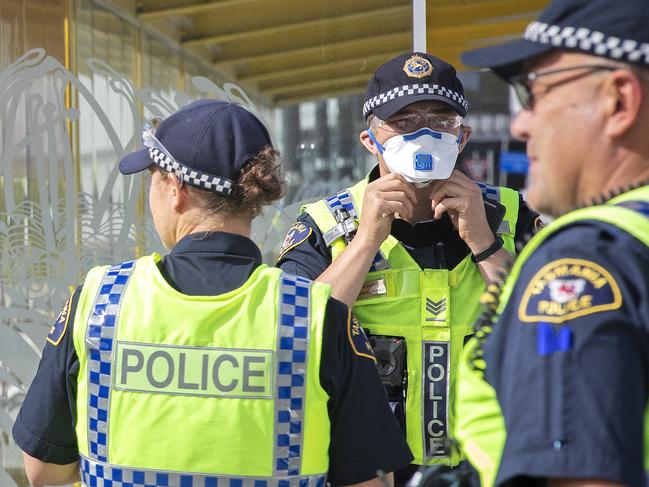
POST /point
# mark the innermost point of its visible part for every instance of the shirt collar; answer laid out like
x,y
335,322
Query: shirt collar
x,y
218,243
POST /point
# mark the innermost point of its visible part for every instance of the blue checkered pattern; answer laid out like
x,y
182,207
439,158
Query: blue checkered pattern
x,y
345,200
639,206
341,200
292,348
489,192
100,333
98,474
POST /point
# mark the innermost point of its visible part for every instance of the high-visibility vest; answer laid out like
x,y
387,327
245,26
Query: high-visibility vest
x,y
433,309
185,390
480,429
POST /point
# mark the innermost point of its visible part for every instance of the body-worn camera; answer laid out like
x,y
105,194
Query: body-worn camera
x,y
390,353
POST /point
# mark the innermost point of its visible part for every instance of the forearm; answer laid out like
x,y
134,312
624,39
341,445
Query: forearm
x,y
41,473
385,481
347,272
495,267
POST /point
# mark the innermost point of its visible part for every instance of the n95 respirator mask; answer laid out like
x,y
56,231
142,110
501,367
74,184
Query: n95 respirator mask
x,y
421,156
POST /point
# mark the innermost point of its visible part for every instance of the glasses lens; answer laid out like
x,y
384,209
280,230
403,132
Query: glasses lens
x,y
410,123
524,94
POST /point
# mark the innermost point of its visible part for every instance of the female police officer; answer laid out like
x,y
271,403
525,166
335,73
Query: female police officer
x,y
205,367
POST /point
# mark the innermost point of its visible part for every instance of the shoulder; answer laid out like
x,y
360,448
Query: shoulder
x,y
583,269
298,233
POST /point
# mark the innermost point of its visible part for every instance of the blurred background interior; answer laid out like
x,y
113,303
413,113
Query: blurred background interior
x,y
79,77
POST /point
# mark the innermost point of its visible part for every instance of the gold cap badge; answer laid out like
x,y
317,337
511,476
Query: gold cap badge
x,y
417,67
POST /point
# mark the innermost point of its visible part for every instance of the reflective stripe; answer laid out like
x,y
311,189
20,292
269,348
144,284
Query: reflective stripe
x,y
489,191
292,347
100,333
341,200
344,200
101,474
639,206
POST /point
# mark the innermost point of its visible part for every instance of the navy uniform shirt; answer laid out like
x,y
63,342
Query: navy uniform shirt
x,y
569,359
433,244
212,264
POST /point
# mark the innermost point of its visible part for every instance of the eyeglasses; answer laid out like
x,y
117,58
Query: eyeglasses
x,y
522,83
402,124
151,141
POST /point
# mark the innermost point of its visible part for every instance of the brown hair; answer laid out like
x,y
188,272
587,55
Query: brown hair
x,y
260,183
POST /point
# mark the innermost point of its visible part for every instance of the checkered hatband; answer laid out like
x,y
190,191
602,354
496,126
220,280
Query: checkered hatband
x,y
191,176
588,40
415,89
100,334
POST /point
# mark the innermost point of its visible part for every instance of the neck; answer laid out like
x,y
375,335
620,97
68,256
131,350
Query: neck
x,y
615,177
215,223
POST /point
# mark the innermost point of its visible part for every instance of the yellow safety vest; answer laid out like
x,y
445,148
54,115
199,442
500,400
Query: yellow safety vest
x,y
200,390
480,428
433,309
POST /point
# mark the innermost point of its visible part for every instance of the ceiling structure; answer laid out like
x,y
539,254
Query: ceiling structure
x,y
288,51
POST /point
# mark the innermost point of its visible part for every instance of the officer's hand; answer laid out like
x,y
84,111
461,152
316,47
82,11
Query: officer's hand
x,y
385,197
461,198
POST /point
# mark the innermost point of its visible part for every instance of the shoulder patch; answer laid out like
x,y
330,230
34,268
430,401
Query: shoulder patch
x,y
297,234
60,326
566,289
358,339
538,224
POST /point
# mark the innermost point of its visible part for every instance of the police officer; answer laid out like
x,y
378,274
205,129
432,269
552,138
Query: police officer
x,y
410,246
566,363
206,367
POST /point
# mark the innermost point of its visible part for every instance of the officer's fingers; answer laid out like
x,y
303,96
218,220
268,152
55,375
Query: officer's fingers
x,y
397,184
397,209
438,195
456,204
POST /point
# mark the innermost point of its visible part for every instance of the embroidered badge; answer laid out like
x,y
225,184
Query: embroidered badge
x,y
58,329
417,67
358,339
538,224
566,289
297,234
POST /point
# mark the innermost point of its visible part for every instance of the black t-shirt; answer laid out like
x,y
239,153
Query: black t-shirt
x,y
433,244
212,264
569,359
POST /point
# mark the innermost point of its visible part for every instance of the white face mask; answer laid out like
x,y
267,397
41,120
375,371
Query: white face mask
x,y
421,156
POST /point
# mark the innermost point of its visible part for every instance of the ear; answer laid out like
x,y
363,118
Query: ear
x,y
368,143
466,133
177,192
623,97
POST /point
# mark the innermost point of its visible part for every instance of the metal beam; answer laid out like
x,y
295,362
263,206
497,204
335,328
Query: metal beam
x,y
294,73
193,9
282,101
315,85
310,24
461,14
444,41
313,51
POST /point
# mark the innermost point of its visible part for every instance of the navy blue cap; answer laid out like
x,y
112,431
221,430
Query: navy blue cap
x,y
409,78
210,139
618,30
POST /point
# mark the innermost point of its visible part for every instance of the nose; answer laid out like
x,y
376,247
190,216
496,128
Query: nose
x,y
521,125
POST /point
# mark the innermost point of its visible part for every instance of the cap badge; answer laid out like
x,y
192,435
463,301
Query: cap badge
x,y
417,67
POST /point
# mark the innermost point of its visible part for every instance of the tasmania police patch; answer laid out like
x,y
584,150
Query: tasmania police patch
x,y
60,326
297,234
358,339
566,289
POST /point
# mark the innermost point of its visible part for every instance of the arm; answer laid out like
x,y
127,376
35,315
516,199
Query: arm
x,y
385,481
582,483
365,435
383,198
462,199
44,428
41,474
567,352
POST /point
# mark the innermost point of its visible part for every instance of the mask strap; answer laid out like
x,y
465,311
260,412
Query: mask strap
x,y
376,142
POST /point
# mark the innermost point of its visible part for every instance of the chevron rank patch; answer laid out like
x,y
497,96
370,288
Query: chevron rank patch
x,y
566,289
297,234
358,339
58,329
